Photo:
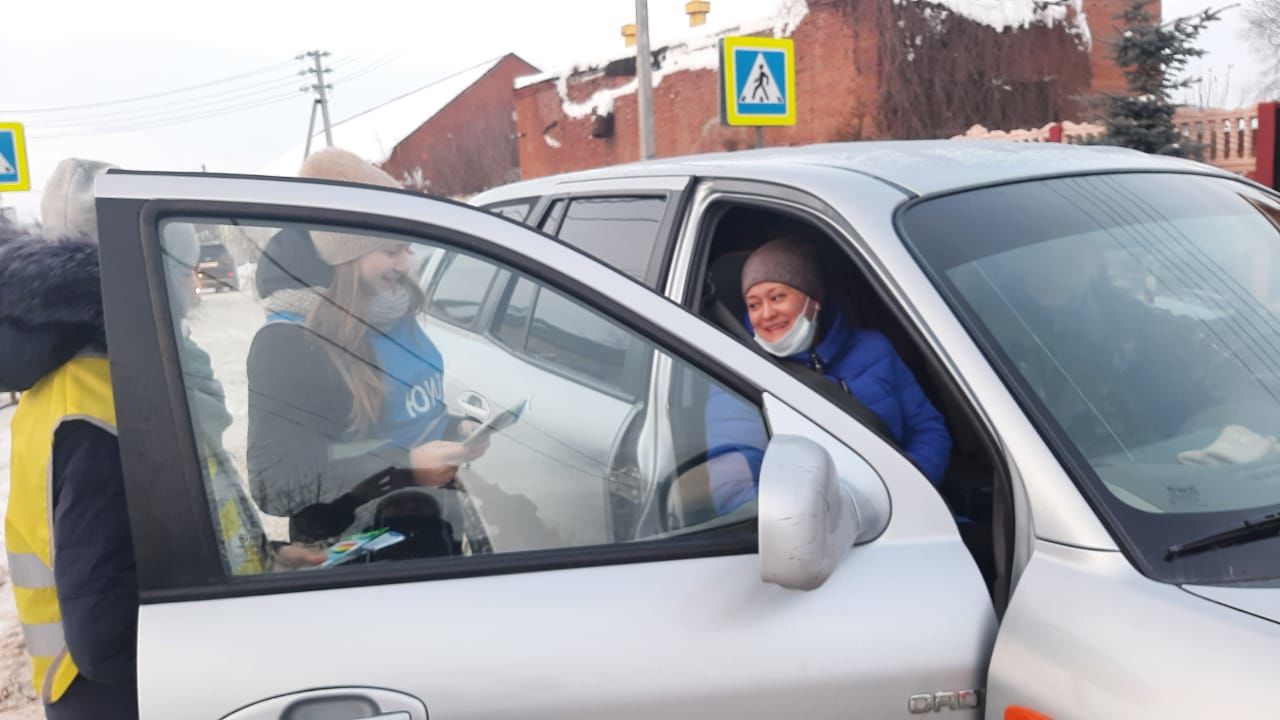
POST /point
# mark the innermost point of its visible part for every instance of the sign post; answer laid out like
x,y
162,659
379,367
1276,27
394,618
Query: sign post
x,y
13,159
757,82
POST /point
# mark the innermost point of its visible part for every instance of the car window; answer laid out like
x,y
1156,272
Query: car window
x,y
565,335
555,214
518,211
1140,314
620,231
337,422
460,289
511,322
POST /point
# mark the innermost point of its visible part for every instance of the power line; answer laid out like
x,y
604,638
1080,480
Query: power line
x,y
375,66
212,101
121,101
173,121
433,83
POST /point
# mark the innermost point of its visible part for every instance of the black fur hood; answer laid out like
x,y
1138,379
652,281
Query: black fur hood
x,y
50,306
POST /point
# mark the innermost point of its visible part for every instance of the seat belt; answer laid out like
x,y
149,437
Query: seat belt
x,y
823,385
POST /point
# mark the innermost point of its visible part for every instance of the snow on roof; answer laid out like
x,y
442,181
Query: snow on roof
x,y
374,133
1015,14
694,50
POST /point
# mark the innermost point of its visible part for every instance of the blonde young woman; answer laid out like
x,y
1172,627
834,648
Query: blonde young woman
x,y
346,390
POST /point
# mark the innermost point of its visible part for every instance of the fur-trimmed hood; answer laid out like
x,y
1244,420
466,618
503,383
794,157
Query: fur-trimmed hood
x,y
50,306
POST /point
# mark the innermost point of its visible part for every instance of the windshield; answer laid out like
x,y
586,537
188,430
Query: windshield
x,y
1136,317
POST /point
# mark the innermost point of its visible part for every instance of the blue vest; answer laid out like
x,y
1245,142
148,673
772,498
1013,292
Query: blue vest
x,y
412,372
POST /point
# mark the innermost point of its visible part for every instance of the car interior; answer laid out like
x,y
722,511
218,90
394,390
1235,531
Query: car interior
x,y
973,486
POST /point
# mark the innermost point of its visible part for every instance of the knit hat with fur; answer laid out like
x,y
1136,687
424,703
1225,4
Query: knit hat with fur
x,y
67,204
784,261
335,164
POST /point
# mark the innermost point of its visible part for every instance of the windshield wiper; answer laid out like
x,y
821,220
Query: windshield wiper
x,y
1259,528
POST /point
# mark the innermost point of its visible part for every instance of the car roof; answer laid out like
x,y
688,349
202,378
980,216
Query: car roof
x,y
920,167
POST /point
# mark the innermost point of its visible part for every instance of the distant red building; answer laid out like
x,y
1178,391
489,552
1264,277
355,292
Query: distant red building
x,y
465,136
865,69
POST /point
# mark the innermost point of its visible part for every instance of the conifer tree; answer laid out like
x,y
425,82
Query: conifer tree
x,y
1154,56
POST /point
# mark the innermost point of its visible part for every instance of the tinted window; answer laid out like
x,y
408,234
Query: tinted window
x,y
518,211
1140,317
511,321
214,252
566,334
552,221
620,231
461,289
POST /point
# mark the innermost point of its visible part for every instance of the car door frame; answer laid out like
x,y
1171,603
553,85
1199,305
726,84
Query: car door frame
x,y
171,519
676,190
176,548
684,286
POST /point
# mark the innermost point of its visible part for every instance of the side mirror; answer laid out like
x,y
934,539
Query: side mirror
x,y
808,518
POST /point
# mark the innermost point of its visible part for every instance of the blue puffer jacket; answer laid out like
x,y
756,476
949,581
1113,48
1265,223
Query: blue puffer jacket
x,y
866,364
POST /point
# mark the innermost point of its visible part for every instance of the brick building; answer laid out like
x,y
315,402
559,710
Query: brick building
x,y
864,69
468,144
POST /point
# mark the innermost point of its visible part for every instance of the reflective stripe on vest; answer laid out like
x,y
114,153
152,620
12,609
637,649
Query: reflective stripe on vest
x,y
79,390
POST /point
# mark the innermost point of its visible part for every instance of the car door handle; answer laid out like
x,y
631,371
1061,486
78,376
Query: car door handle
x,y
474,405
336,703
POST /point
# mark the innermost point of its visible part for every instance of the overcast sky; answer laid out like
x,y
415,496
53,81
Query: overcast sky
x,y
89,55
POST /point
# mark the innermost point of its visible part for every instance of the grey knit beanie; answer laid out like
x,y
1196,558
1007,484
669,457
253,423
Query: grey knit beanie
x,y
67,204
784,261
335,164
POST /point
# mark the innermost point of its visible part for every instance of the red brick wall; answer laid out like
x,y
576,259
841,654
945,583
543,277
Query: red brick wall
x,y
470,145
835,82
1101,14
841,56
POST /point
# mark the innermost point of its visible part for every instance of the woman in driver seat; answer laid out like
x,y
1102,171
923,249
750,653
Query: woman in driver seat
x,y
789,317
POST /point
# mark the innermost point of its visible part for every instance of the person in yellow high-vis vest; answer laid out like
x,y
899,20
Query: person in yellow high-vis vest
x,y
71,563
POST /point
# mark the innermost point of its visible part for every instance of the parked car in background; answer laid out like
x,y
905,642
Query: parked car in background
x,y
217,269
1103,544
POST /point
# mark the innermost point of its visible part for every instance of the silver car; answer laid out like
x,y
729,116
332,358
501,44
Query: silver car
x,y
1100,329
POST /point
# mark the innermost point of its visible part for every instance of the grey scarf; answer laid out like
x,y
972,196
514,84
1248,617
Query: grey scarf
x,y
388,307
295,301
382,312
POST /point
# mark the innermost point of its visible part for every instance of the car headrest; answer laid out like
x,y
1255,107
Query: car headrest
x,y
725,280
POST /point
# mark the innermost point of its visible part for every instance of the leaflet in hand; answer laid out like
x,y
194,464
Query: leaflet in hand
x,y
502,420
359,545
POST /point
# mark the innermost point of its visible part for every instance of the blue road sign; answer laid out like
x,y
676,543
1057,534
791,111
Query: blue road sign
x,y
13,159
758,78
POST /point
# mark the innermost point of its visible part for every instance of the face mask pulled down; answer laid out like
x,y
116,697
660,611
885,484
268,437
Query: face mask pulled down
x,y
797,338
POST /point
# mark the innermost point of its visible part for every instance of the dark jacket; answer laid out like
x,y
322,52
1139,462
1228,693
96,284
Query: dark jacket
x,y
289,261
865,363
305,461
50,311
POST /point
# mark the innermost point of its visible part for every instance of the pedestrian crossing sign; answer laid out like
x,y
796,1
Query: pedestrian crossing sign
x,y
757,81
13,159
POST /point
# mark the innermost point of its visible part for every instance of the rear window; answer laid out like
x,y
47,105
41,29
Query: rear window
x,y
213,252
620,231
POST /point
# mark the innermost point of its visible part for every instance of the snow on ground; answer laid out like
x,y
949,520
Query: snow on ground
x,y
17,698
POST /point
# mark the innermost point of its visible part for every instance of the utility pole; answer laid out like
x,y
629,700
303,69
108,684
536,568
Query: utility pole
x,y
644,78
322,100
